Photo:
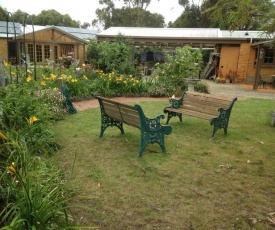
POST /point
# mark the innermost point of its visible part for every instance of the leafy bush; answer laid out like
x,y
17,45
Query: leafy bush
x,y
171,75
26,117
112,56
33,195
201,87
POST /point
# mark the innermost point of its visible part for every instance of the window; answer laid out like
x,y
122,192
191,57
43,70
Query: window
x,y
39,53
269,56
56,52
30,51
47,53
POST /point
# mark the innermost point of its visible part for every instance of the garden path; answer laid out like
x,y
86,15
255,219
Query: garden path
x,y
238,90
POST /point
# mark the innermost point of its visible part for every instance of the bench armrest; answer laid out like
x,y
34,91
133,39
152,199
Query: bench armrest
x,y
176,103
152,124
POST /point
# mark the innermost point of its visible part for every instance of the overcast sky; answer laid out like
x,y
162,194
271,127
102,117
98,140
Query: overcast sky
x,y
84,10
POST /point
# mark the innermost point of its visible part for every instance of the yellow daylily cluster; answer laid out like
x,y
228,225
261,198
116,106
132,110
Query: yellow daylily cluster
x,y
28,79
43,83
11,169
32,120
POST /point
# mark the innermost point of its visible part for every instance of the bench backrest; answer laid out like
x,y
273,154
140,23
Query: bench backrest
x,y
205,103
120,112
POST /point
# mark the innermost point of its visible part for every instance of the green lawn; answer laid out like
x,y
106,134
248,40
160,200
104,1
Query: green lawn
x,y
224,182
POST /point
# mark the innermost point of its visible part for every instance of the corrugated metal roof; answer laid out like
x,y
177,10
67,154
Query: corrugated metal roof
x,y
243,34
81,33
160,32
179,32
11,27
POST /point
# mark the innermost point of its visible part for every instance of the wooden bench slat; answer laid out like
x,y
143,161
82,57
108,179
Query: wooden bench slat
x,y
205,109
207,101
215,108
192,112
204,95
198,114
115,113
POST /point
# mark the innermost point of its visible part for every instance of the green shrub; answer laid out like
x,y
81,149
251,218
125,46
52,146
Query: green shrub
x,y
201,87
170,76
26,118
33,194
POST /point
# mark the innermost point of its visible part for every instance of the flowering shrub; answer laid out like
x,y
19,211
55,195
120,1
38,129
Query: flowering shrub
x,y
114,84
25,116
53,100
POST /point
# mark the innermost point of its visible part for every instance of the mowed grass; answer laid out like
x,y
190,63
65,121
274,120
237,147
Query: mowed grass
x,y
224,182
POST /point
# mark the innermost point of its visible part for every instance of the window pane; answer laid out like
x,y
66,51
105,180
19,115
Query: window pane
x,y
39,53
269,56
47,53
30,51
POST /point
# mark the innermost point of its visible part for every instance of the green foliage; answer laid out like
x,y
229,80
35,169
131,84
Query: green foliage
x,y
134,14
112,57
244,14
201,87
117,85
170,76
33,194
25,115
190,18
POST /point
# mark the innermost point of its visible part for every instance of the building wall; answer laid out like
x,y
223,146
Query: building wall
x,y
266,71
243,62
3,49
229,59
55,38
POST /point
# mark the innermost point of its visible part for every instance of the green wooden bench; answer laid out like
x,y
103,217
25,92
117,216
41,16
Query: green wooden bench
x,y
115,113
67,103
216,109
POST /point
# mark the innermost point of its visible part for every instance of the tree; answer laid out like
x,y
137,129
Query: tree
x,y
205,21
134,14
3,14
52,17
85,25
240,14
190,18
45,17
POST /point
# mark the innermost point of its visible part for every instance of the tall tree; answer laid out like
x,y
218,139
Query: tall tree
x,y
3,14
52,17
240,14
45,17
134,14
190,18
143,4
206,15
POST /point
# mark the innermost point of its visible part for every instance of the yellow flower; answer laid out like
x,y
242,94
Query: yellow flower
x,y
53,77
43,83
29,79
73,80
32,120
5,63
3,136
85,77
11,169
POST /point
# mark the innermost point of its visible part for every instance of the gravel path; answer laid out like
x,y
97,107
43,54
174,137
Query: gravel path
x,y
240,90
